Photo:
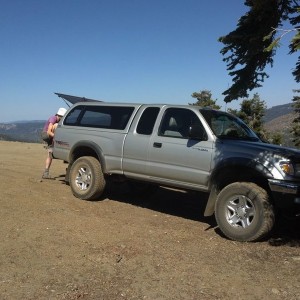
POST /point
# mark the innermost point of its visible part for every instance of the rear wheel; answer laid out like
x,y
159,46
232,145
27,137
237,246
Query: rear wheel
x,y
243,212
86,178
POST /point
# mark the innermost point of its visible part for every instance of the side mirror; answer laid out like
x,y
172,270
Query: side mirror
x,y
197,132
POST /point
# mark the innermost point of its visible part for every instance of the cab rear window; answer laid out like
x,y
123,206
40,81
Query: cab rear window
x,y
110,117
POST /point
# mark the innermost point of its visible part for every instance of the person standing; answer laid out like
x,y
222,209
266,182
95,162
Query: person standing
x,y
47,136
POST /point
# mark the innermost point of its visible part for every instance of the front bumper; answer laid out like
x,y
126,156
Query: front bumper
x,y
286,194
284,187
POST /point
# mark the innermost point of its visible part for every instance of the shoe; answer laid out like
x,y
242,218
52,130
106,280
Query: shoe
x,y
46,175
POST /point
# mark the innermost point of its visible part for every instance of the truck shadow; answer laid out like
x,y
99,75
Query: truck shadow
x,y
286,232
191,205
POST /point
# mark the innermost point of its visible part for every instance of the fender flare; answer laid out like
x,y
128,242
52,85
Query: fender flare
x,y
240,162
93,146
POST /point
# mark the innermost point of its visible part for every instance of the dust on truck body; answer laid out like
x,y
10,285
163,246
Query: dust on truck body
x,y
186,147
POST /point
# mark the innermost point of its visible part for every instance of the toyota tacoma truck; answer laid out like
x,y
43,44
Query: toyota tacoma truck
x,y
186,147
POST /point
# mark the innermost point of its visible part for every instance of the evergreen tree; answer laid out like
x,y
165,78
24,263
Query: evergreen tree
x,y
252,112
276,138
296,122
252,45
204,99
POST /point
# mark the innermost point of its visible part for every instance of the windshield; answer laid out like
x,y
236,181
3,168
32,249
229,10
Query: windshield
x,y
227,126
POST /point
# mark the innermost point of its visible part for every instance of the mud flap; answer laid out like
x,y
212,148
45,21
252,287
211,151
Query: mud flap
x,y
210,206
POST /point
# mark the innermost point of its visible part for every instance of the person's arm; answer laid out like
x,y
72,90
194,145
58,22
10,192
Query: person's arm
x,y
50,130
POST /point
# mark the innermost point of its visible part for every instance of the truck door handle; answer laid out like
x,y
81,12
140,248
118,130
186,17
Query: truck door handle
x,y
157,145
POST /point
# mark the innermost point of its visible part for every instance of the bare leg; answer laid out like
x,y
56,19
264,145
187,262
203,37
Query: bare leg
x,y
48,160
46,174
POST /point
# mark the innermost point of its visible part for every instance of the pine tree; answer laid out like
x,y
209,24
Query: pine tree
x,y
252,45
204,99
252,112
295,131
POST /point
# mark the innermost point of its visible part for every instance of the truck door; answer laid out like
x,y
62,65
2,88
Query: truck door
x,y
138,142
175,158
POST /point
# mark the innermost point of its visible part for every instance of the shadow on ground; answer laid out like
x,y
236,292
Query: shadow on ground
x,y
191,205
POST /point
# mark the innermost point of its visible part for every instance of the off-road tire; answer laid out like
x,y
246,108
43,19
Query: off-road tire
x,y
244,212
86,178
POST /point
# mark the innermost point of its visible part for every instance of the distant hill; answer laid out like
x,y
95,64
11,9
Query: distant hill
x,y
22,131
278,119
278,111
4,137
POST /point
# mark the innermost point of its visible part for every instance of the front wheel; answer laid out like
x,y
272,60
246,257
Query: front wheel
x,y
86,178
243,212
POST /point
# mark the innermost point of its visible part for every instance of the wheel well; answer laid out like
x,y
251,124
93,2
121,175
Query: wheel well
x,y
79,152
232,174
83,151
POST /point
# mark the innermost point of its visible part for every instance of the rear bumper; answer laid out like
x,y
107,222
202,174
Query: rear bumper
x,y
286,194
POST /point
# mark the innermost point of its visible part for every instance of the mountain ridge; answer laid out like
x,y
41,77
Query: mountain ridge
x,y
22,131
278,111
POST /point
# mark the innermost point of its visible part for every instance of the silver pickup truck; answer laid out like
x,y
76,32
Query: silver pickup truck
x,y
187,147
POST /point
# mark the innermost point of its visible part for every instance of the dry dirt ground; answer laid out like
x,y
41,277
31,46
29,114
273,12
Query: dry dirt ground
x,y
54,246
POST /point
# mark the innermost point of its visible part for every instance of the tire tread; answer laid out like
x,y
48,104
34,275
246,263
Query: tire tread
x,y
256,194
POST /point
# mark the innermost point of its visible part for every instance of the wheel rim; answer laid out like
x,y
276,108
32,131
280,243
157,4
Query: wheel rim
x,y
240,211
83,178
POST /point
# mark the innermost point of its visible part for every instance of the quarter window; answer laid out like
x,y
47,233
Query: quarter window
x,y
147,120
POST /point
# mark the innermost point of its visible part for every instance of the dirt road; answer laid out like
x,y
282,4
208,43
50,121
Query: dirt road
x,y
54,246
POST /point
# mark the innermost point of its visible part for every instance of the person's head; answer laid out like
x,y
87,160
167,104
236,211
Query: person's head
x,y
61,112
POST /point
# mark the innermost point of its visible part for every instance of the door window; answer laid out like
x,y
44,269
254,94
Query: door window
x,y
177,121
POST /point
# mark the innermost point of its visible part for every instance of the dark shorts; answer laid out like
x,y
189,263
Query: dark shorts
x,y
45,137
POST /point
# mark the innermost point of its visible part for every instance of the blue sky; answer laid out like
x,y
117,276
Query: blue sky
x,y
150,51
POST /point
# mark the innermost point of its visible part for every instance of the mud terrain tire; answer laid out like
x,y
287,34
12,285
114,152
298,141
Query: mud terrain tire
x,y
243,212
86,178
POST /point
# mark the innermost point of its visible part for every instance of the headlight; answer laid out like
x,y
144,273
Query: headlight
x,y
287,168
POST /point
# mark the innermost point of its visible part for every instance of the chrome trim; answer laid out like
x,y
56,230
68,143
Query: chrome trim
x,y
283,187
